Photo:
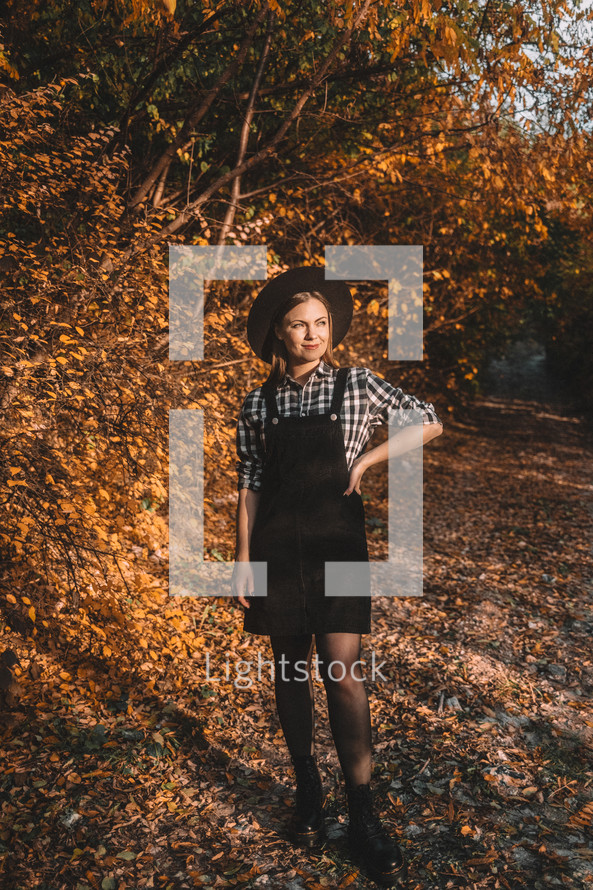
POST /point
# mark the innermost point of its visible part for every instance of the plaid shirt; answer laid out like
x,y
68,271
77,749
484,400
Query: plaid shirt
x,y
368,402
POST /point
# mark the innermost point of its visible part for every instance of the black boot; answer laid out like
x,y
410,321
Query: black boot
x,y
368,838
307,825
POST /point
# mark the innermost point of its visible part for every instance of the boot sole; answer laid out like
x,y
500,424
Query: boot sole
x,y
387,880
308,840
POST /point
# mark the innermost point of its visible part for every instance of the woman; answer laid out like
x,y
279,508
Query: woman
x,y
300,443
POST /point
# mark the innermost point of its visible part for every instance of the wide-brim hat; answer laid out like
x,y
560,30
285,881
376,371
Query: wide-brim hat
x,y
286,285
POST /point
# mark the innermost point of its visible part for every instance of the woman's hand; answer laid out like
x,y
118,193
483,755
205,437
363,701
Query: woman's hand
x,y
242,582
356,473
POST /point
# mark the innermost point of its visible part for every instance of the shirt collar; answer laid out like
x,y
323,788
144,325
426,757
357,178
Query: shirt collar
x,y
322,370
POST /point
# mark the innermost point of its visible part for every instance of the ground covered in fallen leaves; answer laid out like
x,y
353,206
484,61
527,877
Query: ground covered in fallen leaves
x,y
131,760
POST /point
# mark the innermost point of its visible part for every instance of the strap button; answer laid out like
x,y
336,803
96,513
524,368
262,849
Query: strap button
x,y
274,420
333,417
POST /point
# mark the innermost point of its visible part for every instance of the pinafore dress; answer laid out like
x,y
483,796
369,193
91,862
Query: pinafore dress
x,y
303,519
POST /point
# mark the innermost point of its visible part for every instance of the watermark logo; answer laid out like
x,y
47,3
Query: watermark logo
x,y
244,672
189,268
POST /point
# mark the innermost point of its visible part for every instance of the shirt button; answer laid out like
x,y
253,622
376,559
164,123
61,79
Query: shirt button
x,y
274,420
333,416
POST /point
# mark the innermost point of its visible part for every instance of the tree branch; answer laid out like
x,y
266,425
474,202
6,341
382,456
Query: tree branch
x,y
142,91
244,138
188,212
195,115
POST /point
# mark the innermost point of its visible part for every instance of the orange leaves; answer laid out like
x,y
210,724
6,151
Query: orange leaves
x,y
278,9
583,818
547,174
487,859
98,631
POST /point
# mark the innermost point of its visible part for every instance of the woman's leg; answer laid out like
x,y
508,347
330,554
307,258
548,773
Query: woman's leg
x,y
350,721
294,691
347,702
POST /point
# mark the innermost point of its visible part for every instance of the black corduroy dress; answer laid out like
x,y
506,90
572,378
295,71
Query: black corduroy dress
x,y
303,519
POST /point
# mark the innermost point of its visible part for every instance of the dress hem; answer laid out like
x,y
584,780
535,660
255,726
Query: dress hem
x,y
294,633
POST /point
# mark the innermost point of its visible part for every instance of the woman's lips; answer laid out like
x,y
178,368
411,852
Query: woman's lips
x,y
307,346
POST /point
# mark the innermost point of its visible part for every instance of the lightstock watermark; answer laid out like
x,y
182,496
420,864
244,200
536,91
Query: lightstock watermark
x,y
243,672
189,267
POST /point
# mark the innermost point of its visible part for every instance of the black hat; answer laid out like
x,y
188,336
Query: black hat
x,y
284,286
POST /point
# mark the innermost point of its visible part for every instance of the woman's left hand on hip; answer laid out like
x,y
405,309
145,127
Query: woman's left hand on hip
x,y
356,474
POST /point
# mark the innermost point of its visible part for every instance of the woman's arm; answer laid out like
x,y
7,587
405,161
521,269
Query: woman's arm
x,y
242,582
246,511
251,455
402,441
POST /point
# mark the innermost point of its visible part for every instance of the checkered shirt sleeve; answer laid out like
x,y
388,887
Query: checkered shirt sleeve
x,y
369,401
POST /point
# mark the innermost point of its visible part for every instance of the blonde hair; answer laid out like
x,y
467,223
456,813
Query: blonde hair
x,y
275,350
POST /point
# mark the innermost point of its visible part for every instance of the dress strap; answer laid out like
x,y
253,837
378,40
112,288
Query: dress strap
x,y
270,397
339,387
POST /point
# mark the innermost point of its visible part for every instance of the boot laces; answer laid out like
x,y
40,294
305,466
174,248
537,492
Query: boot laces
x,y
308,790
371,823
368,819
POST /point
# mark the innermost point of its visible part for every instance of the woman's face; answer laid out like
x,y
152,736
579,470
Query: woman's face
x,y
305,331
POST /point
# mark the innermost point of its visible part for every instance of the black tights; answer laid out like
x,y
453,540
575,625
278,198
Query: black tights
x,y
347,701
